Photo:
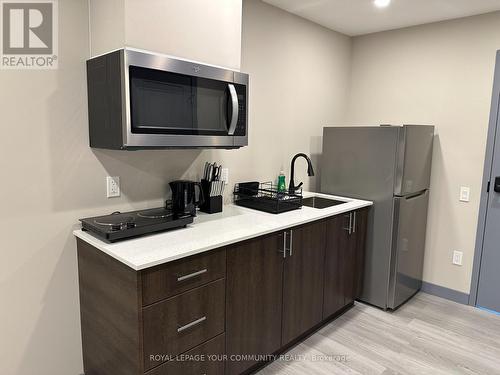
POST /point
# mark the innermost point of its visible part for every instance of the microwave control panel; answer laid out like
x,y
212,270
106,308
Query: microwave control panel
x,y
241,126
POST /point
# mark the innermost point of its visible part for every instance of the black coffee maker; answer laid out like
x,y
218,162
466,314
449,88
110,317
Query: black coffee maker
x,y
184,201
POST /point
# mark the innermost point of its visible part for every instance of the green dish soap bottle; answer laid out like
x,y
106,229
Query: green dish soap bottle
x,y
281,182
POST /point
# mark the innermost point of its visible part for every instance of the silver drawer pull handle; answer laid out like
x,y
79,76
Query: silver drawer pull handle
x,y
191,275
193,323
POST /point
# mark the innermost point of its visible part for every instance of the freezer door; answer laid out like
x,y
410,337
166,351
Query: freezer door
x,y
414,159
408,246
359,161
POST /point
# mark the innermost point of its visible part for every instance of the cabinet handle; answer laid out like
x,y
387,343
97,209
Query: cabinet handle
x,y
284,245
192,324
290,250
354,223
191,275
349,228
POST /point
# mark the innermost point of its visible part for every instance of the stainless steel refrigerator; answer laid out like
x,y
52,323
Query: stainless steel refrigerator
x,y
391,166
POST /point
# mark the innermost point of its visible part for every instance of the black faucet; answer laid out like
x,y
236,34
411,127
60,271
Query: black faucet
x,y
310,172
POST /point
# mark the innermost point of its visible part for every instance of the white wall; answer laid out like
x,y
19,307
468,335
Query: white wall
x,y
201,30
107,25
439,74
44,187
299,79
208,31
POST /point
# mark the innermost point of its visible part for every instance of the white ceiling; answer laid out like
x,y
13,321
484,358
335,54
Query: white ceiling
x,y
357,17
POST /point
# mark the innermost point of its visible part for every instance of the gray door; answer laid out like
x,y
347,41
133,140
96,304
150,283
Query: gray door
x,y
488,291
410,222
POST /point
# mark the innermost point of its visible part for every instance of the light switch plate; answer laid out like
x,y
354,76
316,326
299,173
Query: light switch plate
x,y
457,258
464,194
112,186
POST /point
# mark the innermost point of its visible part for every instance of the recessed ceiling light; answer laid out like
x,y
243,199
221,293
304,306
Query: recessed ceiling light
x,y
381,3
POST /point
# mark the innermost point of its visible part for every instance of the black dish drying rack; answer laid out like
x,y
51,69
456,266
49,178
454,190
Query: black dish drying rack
x,y
266,197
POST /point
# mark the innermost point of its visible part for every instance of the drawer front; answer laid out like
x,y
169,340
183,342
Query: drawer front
x,y
180,323
204,359
177,277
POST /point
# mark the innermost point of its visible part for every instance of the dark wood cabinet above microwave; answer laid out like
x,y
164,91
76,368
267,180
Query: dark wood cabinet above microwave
x,y
143,100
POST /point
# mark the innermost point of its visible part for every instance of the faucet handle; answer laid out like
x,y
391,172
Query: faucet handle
x,y
299,185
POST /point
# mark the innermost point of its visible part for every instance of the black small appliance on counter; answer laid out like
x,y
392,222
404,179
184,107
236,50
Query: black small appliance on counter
x,y
184,197
178,212
119,226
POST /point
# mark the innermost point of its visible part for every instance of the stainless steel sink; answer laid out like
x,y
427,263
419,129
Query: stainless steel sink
x,y
319,202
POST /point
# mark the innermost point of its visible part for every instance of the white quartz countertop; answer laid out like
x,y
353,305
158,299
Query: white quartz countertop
x,y
209,232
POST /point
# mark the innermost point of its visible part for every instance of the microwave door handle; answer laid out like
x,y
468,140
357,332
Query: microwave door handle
x,y
235,107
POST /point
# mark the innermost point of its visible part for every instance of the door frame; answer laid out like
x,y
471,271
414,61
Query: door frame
x,y
493,127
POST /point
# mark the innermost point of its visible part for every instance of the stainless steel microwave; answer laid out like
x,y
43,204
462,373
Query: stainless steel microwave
x,y
143,100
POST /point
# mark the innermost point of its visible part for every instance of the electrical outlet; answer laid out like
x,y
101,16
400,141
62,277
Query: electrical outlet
x,y
225,175
457,258
112,187
464,194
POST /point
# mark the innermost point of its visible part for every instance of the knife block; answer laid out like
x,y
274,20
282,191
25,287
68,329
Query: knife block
x,y
211,205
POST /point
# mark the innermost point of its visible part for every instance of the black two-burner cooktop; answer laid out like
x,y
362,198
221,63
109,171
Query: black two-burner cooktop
x,y
119,226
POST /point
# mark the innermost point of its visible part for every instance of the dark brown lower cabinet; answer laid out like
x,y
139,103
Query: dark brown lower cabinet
x,y
360,252
223,311
253,300
274,292
354,255
303,280
122,333
337,241
110,313
349,263
344,260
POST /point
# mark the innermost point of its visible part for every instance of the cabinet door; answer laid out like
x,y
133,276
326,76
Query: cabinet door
x,y
303,280
253,300
338,243
361,227
355,255
349,264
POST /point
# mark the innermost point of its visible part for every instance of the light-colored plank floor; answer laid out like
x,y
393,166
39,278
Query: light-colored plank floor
x,y
428,335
